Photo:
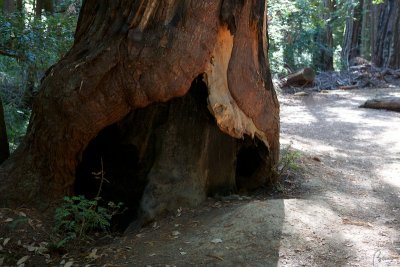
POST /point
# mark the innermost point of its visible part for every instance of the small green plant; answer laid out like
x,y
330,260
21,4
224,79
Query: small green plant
x,y
287,165
78,216
289,161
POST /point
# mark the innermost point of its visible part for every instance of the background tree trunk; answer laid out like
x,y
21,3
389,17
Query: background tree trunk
x,y
323,56
20,5
373,32
386,37
352,40
9,6
288,51
130,54
4,148
366,30
46,5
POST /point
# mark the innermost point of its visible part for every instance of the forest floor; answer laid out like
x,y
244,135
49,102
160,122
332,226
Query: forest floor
x,y
341,209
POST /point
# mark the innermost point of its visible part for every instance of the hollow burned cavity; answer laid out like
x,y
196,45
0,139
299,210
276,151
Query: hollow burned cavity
x,y
118,164
166,156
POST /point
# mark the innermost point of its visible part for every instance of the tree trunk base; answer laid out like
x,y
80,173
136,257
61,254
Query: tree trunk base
x,y
170,155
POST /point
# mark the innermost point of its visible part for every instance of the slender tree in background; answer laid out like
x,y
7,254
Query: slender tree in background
x,y
352,35
9,6
323,56
32,71
43,5
366,30
4,149
288,51
176,95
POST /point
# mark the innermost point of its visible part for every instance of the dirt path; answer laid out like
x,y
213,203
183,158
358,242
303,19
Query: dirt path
x,y
353,217
353,209
344,211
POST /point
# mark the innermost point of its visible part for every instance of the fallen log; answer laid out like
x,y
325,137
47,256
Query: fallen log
x,y
396,73
299,78
389,103
348,87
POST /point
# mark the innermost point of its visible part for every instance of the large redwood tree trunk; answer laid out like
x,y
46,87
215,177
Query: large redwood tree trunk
x,y
128,55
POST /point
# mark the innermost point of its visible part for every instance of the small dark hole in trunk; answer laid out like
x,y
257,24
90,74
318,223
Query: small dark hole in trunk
x,y
248,161
251,169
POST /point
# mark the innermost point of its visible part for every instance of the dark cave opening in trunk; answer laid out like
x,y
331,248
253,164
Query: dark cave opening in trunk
x,y
129,150
166,156
252,165
120,169
248,161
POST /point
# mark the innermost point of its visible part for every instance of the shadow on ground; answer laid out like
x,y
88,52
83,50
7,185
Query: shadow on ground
x,y
222,233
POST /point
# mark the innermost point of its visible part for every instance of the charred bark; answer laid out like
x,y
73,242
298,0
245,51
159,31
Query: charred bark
x,y
167,155
130,55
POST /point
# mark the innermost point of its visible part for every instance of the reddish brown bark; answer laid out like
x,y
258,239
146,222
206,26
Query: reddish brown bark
x,y
130,54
